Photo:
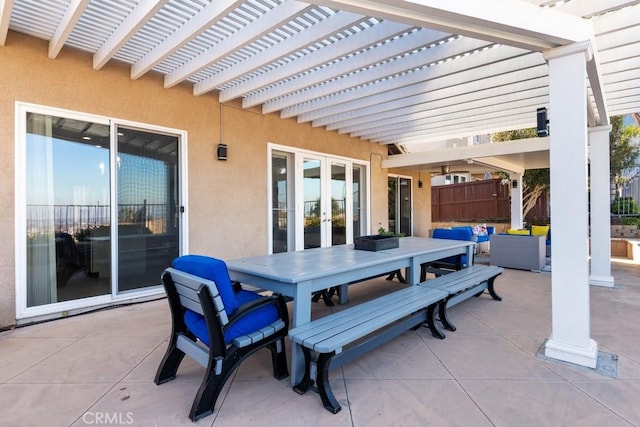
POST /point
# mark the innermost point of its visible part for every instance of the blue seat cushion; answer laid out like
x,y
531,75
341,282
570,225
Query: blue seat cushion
x,y
255,320
211,269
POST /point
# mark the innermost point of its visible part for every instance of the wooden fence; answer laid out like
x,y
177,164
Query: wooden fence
x,y
478,201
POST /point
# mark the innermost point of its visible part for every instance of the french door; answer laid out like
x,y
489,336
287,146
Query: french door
x,y
317,200
326,204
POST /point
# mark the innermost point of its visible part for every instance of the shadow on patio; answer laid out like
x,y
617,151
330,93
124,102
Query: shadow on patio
x,y
98,368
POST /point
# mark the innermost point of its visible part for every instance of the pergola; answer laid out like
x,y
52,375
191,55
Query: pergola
x,y
425,76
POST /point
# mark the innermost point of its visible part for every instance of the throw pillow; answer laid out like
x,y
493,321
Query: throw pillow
x,y
518,232
539,230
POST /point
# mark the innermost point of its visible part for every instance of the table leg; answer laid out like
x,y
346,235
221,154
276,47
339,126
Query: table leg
x,y
301,315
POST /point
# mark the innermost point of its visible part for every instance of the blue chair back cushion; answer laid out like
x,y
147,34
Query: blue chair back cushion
x,y
216,270
210,269
255,320
462,233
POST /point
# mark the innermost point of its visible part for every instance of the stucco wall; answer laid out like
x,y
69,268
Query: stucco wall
x,y
226,204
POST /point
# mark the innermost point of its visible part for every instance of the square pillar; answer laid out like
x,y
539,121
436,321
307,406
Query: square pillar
x,y
515,185
570,339
600,229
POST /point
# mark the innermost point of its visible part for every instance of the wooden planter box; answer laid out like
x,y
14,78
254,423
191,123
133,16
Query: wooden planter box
x,y
375,243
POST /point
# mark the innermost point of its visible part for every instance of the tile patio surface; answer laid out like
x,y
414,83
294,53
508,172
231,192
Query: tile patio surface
x,y
98,368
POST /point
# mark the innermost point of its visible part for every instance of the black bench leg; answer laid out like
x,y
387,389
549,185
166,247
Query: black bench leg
x,y
491,290
398,274
431,322
306,382
442,312
324,388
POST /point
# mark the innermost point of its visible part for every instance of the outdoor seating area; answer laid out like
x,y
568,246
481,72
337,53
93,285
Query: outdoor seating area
x,y
96,365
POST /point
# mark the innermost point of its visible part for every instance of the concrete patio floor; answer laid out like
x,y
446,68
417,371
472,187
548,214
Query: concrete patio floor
x,y
98,369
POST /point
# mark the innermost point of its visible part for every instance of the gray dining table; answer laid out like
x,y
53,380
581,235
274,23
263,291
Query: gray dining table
x,y
299,274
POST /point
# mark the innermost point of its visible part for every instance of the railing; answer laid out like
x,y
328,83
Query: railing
x,y
74,219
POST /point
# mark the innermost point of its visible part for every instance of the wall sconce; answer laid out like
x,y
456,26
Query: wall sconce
x,y
542,128
514,183
222,151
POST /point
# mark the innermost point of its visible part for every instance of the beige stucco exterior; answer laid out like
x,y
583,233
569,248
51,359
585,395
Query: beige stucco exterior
x,y
227,200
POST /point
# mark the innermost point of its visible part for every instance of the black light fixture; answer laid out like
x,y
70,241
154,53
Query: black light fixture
x,y
222,151
419,181
542,128
514,183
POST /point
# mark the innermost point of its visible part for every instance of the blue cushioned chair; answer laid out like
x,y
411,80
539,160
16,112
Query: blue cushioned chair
x,y
455,262
232,323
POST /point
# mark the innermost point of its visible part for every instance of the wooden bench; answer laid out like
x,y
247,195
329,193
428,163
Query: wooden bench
x,y
360,328
462,284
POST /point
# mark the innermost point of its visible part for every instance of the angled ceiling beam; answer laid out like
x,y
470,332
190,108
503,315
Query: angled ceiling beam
x,y
488,87
455,112
342,48
326,28
205,18
480,152
501,164
275,18
485,64
456,121
514,23
475,127
65,27
5,19
493,59
395,68
357,116
359,41
127,29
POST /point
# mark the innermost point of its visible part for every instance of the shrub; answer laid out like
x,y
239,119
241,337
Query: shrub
x,y
624,205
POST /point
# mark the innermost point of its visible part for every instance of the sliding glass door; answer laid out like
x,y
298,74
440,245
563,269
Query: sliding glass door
x,y
400,205
100,209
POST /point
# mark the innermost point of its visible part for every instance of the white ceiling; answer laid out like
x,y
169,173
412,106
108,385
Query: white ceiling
x,y
413,73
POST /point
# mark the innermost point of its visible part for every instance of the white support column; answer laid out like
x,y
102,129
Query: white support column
x,y
570,340
516,200
600,212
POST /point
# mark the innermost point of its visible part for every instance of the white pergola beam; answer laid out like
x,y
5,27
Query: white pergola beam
x,y
466,152
382,53
501,164
340,49
5,18
131,24
442,52
328,27
478,85
205,18
275,18
477,127
452,116
438,105
422,126
490,62
511,22
65,27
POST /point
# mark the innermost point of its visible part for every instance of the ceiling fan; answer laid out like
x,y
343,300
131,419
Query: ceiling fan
x,y
446,170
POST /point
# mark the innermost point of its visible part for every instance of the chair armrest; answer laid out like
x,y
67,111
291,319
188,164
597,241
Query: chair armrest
x,y
247,308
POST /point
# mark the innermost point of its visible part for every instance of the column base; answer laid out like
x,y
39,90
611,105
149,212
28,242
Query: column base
x,y
570,353
604,281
